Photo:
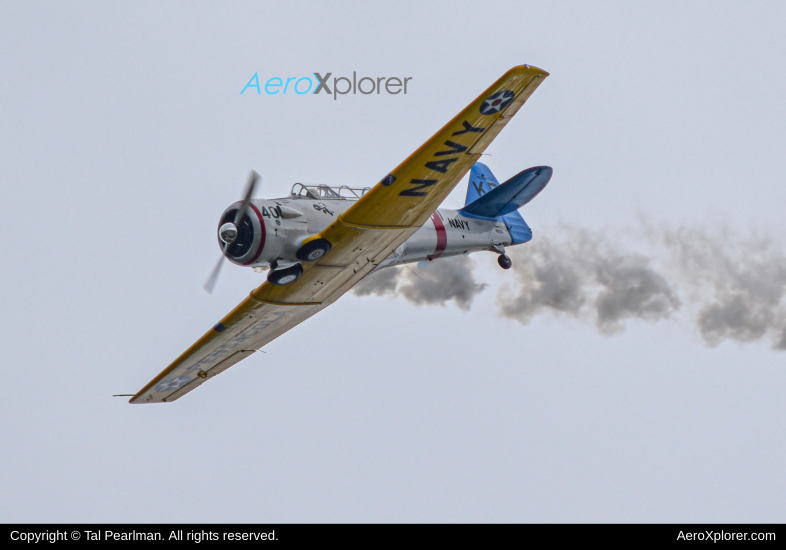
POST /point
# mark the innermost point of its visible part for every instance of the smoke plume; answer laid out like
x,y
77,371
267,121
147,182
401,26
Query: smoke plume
x,y
432,283
732,287
580,275
736,285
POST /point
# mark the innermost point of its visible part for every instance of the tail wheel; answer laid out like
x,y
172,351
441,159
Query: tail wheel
x,y
285,276
504,261
313,250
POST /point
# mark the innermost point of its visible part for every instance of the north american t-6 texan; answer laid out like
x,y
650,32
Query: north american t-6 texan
x,y
322,240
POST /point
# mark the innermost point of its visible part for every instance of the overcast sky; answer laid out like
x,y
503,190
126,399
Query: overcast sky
x,y
123,137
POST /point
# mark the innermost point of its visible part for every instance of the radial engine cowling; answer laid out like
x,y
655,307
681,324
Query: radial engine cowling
x,y
244,244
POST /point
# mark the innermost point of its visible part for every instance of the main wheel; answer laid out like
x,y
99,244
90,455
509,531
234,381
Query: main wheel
x,y
285,276
313,250
504,261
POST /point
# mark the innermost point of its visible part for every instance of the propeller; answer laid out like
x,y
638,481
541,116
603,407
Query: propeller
x,y
228,232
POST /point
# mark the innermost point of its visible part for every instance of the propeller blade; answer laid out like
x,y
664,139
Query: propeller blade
x,y
252,182
211,282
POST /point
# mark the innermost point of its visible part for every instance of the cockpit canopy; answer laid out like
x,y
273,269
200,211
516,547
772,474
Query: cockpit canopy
x,y
327,192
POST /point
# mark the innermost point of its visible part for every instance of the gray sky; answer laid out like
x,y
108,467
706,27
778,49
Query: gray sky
x,y
124,137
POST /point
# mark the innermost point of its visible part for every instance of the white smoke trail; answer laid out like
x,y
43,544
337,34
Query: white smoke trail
x,y
579,274
733,287
433,283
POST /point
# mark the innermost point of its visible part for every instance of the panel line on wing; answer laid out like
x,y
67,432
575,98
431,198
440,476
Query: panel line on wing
x,y
272,303
363,226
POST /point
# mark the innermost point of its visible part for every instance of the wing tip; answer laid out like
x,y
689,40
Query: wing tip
x,y
530,69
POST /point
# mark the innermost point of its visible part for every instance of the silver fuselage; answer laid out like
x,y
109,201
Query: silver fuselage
x,y
281,226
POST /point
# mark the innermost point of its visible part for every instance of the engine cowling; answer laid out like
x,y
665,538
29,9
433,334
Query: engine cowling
x,y
268,233
250,237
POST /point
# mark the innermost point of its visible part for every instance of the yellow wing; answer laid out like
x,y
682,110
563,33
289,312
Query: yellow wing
x,y
361,238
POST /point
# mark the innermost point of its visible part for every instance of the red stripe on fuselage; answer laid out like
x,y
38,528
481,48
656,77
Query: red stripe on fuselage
x,y
442,237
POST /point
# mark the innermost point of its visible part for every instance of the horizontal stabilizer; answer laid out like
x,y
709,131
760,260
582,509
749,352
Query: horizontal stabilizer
x,y
511,195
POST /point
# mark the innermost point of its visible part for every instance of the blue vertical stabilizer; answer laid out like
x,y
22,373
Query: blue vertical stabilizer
x,y
481,181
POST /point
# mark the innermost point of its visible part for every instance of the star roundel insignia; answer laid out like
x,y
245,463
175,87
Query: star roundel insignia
x,y
496,102
173,384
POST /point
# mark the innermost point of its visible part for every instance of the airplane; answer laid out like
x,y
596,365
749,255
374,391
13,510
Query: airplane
x,y
321,240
